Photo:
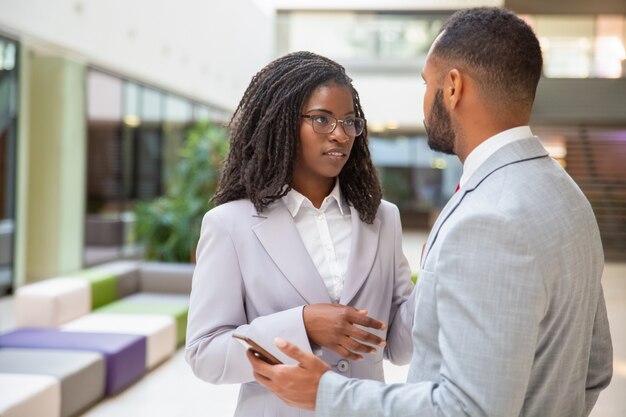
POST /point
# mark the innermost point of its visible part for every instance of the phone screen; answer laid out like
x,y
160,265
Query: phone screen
x,y
258,351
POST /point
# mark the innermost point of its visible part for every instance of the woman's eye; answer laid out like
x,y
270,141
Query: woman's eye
x,y
348,122
323,120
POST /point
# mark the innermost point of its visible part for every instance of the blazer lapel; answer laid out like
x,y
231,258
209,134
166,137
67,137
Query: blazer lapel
x,y
449,208
362,255
518,151
280,238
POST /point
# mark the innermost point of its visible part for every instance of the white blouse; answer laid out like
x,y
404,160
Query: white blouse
x,y
326,233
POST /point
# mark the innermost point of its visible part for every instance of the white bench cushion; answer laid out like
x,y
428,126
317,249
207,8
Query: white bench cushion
x,y
52,302
160,331
29,396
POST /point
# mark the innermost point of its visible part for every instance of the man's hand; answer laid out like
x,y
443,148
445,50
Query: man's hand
x,y
333,326
296,385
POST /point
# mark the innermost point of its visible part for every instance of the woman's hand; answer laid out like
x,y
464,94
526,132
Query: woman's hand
x,y
333,326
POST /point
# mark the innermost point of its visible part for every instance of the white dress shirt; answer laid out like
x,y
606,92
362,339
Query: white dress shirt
x,y
483,151
326,233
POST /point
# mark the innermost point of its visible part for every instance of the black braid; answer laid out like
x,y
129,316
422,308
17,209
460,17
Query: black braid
x,y
264,136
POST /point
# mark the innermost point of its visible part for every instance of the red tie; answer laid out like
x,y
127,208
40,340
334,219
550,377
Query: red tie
x,y
458,187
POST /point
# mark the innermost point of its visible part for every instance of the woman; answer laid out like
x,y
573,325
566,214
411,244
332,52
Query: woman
x,y
300,244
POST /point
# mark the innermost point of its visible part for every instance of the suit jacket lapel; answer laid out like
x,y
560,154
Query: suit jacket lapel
x,y
449,208
362,255
518,151
280,238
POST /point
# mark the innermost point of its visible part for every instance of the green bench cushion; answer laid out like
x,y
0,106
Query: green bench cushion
x,y
103,286
174,305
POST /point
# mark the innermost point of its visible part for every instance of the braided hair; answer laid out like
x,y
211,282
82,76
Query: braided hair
x,y
264,136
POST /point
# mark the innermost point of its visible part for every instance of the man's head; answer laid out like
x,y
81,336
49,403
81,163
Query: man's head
x,y
498,49
494,55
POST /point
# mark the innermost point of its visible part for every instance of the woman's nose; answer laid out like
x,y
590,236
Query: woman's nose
x,y
339,135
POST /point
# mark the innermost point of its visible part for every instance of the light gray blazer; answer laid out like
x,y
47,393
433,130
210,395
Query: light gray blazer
x,y
254,275
510,316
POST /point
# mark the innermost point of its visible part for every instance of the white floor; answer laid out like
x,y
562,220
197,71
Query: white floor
x,y
172,391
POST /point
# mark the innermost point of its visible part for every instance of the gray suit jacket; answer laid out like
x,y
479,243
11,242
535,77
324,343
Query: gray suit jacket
x,y
254,275
510,317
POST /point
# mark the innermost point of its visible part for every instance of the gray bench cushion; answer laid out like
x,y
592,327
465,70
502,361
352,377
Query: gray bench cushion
x,y
161,277
82,374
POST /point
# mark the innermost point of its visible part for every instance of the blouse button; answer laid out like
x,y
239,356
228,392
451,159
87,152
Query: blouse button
x,y
343,366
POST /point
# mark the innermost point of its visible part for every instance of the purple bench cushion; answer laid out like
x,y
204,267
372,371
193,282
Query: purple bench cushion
x,y
124,354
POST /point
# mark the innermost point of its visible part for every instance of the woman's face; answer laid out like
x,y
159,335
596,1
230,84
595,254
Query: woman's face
x,y
323,155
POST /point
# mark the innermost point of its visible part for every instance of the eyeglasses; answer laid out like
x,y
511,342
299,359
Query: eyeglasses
x,y
352,126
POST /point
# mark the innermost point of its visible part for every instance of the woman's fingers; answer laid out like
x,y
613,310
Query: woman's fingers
x,y
338,327
348,354
365,336
356,346
366,321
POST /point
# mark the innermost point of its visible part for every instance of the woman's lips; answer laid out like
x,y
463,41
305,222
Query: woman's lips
x,y
336,154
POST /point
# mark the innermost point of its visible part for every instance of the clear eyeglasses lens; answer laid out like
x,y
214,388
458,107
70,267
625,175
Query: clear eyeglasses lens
x,y
352,126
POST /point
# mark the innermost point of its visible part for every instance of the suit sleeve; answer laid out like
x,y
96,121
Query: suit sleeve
x,y
217,310
488,311
600,368
399,339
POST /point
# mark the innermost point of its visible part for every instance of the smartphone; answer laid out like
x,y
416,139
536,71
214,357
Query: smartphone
x,y
257,350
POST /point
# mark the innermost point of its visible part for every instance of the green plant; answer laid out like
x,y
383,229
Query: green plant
x,y
169,226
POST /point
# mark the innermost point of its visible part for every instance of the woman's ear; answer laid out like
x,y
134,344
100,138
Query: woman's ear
x,y
453,88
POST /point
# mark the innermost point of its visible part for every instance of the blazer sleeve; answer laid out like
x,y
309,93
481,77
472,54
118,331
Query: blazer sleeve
x,y
486,356
600,368
217,310
399,346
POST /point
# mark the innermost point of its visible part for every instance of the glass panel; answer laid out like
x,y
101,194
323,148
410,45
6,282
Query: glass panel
x,y
151,105
8,143
567,44
581,46
414,177
609,47
148,160
178,109
359,37
8,55
201,112
106,194
104,97
178,117
131,104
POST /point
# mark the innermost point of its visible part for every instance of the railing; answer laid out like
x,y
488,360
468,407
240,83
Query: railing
x,y
599,167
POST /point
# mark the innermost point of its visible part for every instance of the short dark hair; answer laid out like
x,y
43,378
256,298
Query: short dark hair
x,y
498,48
265,131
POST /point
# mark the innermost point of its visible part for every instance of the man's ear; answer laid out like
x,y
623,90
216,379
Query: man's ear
x,y
453,88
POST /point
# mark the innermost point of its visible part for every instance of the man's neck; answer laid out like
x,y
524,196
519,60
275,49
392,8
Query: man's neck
x,y
468,141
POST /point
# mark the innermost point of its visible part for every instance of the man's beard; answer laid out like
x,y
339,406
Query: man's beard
x,y
441,135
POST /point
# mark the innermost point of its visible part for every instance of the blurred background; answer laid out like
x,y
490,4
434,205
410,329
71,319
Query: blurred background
x,y
96,98
100,100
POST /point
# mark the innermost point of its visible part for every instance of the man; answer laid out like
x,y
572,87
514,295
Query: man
x,y
510,316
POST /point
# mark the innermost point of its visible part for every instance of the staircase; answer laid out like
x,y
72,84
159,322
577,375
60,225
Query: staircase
x,y
596,160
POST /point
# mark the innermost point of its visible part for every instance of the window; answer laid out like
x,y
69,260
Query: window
x,y
581,46
8,157
363,39
134,133
414,177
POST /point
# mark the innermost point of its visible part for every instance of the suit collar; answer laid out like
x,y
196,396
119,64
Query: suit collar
x,y
280,238
518,151
490,146
515,152
363,251
294,200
